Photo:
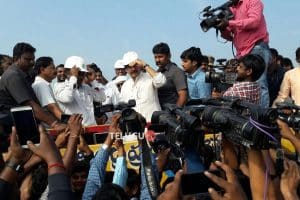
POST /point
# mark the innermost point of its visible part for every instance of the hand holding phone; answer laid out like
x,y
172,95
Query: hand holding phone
x,y
25,123
64,118
196,183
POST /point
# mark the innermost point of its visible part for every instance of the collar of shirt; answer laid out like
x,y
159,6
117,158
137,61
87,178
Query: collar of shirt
x,y
40,79
246,83
165,68
194,75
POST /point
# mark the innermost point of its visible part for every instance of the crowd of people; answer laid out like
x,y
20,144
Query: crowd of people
x,y
75,89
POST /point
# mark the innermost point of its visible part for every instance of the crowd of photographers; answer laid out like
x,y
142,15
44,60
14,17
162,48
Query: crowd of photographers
x,y
249,108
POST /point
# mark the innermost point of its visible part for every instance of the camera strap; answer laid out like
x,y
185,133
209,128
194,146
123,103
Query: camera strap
x,y
151,180
232,47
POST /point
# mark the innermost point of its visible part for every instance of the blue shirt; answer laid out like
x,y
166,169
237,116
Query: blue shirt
x,y
96,173
121,174
196,85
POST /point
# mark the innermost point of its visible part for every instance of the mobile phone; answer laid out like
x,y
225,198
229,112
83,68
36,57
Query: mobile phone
x,y
196,183
25,123
64,118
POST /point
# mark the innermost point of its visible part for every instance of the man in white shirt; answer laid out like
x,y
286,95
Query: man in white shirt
x,y
141,86
73,95
45,68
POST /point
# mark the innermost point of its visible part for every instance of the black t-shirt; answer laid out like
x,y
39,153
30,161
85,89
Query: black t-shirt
x,y
176,81
15,89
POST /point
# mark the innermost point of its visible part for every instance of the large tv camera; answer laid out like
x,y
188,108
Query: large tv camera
x,y
241,122
214,15
179,132
130,122
222,75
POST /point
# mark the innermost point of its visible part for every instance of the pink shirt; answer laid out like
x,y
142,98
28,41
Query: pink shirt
x,y
247,27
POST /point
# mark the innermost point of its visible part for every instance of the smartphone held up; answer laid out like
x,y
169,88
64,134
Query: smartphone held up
x,y
26,125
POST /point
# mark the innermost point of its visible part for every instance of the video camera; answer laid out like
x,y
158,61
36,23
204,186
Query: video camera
x,y
290,114
129,123
213,16
240,122
222,75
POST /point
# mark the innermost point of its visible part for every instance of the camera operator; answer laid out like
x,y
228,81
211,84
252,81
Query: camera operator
x,y
249,70
248,32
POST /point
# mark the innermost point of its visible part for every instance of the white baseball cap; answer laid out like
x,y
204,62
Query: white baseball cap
x,y
129,57
75,61
119,64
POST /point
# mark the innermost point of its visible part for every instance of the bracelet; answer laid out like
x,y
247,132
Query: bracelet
x,y
60,165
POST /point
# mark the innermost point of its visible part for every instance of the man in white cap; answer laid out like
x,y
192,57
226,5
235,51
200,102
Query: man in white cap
x,y
73,95
141,86
119,69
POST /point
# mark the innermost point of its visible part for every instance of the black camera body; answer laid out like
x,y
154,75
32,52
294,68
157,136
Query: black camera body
x,y
236,128
293,117
179,133
130,123
240,122
221,76
213,16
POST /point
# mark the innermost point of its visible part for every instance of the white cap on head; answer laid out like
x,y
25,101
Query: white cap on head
x,y
129,57
75,61
120,79
119,64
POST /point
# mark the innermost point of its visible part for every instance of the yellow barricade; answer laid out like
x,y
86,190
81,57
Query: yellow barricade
x,y
132,155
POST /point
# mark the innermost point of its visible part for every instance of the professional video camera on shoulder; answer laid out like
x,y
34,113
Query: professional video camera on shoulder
x,y
214,15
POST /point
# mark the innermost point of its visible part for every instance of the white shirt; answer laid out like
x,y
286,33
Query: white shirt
x,y
78,100
43,91
113,96
144,91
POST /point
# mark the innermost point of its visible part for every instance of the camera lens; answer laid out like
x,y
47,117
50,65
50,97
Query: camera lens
x,y
128,114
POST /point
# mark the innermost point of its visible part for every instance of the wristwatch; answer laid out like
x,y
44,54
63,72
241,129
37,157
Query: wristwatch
x,y
18,167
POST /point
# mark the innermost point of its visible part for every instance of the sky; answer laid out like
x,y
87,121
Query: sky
x,y
101,31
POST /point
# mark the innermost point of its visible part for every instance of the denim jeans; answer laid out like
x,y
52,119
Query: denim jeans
x,y
262,49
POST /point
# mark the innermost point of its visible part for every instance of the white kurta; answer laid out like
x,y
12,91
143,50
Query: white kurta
x,y
72,100
144,91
